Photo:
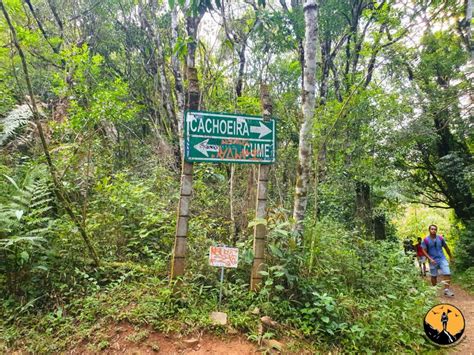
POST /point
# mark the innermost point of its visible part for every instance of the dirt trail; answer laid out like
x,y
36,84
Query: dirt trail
x,y
465,302
126,339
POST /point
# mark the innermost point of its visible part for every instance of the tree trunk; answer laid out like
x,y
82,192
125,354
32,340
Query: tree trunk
x,y
233,225
304,150
379,227
159,71
250,194
240,77
364,208
59,22
182,223
192,23
41,28
178,81
466,23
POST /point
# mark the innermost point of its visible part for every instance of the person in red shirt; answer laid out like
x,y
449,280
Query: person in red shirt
x,y
421,257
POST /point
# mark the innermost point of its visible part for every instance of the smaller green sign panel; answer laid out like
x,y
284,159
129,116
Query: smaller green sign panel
x,y
228,138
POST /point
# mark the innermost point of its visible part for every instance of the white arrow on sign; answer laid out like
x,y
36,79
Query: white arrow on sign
x,y
205,148
262,129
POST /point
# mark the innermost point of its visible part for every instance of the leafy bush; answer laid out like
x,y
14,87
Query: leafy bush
x,y
361,295
466,279
464,250
129,219
43,258
25,231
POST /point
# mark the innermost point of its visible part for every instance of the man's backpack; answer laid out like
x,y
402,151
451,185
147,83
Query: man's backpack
x,y
427,241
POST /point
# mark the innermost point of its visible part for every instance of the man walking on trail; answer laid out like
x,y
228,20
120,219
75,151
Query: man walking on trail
x,y
433,246
408,247
421,257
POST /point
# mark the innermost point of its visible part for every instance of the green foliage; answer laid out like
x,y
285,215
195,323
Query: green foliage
x,y
466,279
93,100
129,219
433,151
332,21
7,100
281,29
138,337
26,224
110,103
43,254
464,250
442,55
413,221
361,295
15,120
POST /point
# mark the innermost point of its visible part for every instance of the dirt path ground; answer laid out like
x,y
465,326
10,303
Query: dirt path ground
x,y
465,302
127,339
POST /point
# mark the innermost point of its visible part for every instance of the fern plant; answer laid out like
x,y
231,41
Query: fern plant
x,y
25,223
17,118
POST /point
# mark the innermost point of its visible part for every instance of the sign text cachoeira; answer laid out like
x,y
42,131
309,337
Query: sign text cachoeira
x,y
232,138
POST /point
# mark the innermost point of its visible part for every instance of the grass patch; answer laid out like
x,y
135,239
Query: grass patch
x,y
465,279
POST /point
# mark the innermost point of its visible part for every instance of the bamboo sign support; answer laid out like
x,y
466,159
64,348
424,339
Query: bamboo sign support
x,y
180,243
260,230
182,222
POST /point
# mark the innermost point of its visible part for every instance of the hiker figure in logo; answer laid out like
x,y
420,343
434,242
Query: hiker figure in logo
x,y
433,246
444,320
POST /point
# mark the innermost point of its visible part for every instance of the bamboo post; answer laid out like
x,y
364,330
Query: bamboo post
x,y
260,230
181,237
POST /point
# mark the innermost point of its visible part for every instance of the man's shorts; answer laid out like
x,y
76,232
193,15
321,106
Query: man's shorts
x,y
422,259
442,265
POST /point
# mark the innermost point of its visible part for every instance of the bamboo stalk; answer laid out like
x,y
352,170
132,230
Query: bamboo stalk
x,y
260,230
181,237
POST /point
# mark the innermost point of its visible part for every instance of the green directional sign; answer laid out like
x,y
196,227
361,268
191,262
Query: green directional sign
x,y
228,138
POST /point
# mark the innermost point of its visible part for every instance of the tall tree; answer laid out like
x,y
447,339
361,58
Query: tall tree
x,y
310,9
441,158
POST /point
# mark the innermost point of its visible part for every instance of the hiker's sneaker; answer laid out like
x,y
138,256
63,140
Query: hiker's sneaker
x,y
448,292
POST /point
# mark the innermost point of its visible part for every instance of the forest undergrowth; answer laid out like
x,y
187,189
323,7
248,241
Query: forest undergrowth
x,y
372,105
332,290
